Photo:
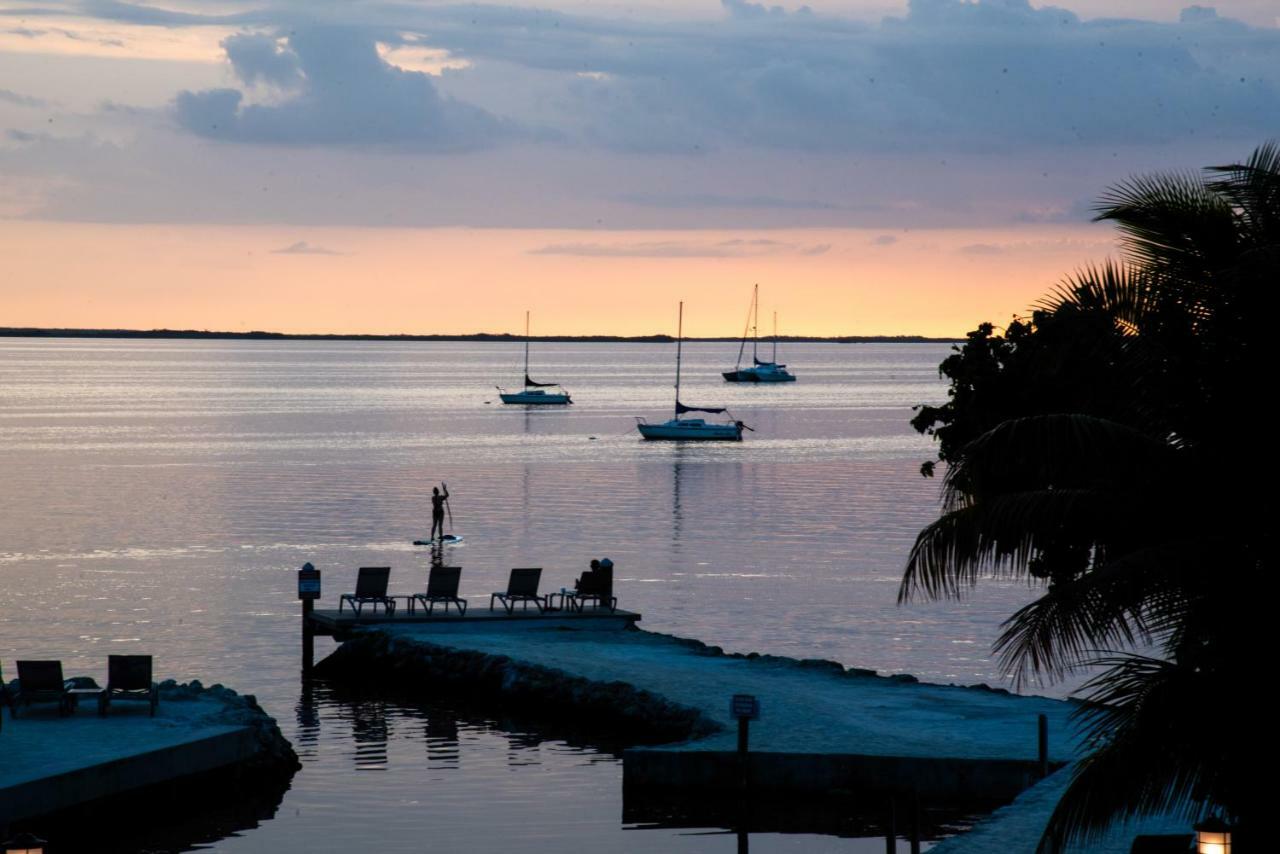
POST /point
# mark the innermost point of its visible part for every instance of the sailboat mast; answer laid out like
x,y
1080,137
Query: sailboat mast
x,y
526,348
755,327
775,338
679,340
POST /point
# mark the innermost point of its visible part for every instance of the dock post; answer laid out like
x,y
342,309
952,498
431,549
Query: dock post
x,y
308,592
915,821
308,639
1043,753
891,832
745,708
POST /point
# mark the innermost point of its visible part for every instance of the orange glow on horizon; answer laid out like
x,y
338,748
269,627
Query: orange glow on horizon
x,y
421,281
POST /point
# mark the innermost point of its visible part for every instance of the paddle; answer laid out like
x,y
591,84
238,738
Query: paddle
x,y
447,509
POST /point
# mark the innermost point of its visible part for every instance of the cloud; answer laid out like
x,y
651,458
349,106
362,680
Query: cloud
x,y
949,114
981,249
883,240
261,58
346,95
302,247
949,75
991,75
736,248
8,96
1036,247
714,200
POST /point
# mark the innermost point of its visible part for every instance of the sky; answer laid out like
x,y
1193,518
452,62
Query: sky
x,y
878,167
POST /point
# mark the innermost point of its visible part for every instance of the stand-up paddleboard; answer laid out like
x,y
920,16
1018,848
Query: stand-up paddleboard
x,y
446,540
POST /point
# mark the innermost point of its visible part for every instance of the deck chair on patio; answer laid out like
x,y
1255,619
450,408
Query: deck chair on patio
x,y
442,586
41,682
522,586
371,589
129,678
595,585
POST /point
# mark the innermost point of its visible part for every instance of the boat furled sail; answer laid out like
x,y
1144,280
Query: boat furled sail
x,y
691,429
681,409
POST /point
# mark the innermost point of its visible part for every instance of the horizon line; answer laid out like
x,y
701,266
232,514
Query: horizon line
x,y
261,335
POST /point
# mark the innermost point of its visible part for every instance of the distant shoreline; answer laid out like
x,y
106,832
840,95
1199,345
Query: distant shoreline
x,y
37,332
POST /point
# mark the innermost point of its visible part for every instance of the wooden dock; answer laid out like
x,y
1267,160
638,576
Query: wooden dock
x,y
331,622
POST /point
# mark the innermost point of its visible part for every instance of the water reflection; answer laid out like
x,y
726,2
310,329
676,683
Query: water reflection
x,y
370,733
895,823
441,734
677,510
187,815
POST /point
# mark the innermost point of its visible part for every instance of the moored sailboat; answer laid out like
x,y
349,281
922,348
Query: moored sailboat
x,y
695,429
759,372
535,393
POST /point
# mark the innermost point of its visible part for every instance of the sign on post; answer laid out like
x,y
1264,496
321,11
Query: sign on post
x,y
745,707
308,582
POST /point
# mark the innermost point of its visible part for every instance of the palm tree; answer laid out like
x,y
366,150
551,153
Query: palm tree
x,y
1109,450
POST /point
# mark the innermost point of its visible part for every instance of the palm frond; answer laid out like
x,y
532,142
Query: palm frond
x,y
1125,600
1253,189
1117,783
1055,450
1173,224
1117,290
1155,727
999,535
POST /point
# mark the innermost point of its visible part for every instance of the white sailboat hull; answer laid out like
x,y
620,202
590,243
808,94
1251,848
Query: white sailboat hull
x,y
536,397
761,374
691,429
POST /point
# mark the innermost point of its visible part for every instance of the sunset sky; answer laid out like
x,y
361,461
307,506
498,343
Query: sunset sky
x,y
877,166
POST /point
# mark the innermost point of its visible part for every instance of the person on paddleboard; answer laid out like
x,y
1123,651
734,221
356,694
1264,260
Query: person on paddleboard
x,y
437,510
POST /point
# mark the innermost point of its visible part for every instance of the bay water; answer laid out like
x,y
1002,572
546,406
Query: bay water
x,y
158,496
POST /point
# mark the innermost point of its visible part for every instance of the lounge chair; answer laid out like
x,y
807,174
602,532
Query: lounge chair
x,y
522,586
371,589
41,682
595,585
442,586
129,678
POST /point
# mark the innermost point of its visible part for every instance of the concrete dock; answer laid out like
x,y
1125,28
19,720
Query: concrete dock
x,y
340,624
822,726
53,763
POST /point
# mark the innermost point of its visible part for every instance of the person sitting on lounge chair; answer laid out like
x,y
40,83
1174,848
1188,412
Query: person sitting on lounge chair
x,y
585,578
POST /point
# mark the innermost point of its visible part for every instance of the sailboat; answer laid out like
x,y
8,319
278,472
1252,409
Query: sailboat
x,y
534,393
691,428
759,372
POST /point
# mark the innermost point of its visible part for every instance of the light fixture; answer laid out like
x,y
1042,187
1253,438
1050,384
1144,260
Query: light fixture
x,y
1213,836
24,843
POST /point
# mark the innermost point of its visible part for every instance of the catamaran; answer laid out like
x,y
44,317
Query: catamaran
x,y
759,372
691,428
534,393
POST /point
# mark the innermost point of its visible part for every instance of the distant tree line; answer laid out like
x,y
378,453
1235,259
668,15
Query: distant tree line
x,y
39,332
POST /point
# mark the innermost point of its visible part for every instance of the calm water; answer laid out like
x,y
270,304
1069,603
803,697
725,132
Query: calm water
x,y
158,495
